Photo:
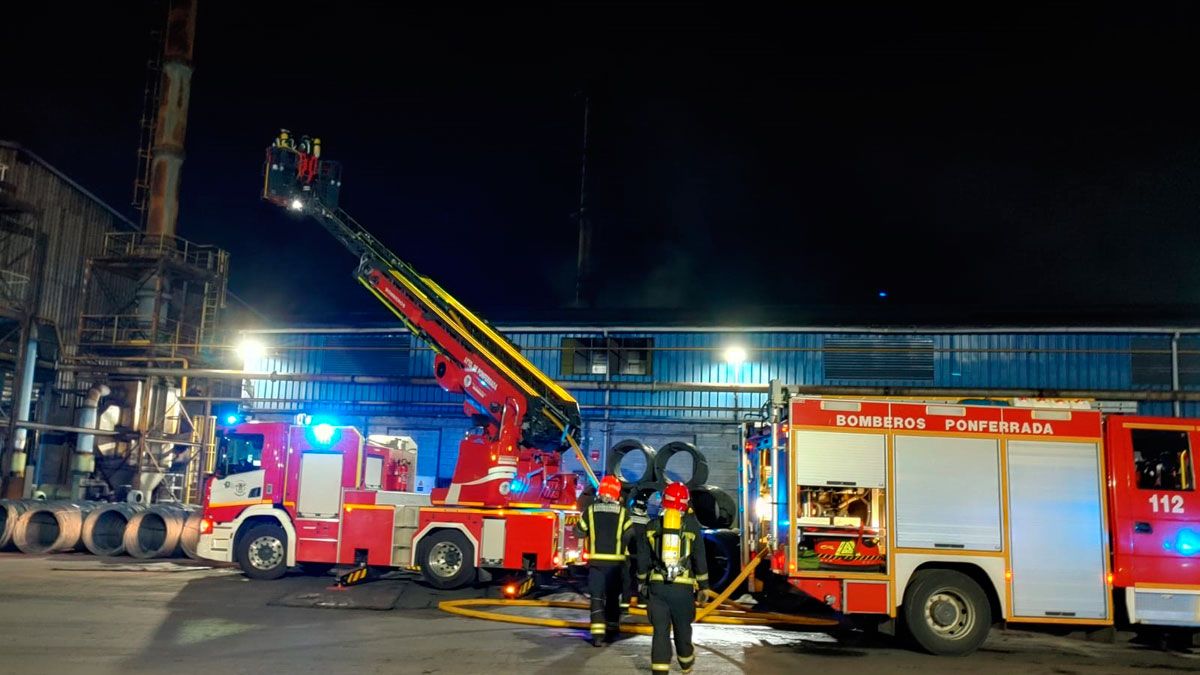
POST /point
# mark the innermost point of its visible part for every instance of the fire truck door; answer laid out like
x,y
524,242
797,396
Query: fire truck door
x,y
1156,507
320,485
1057,530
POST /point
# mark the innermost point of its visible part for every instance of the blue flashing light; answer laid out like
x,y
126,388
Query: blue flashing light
x,y
883,294
323,433
231,420
516,486
1187,542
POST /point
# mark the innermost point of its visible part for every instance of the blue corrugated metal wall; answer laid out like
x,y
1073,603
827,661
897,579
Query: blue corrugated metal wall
x,y
1052,360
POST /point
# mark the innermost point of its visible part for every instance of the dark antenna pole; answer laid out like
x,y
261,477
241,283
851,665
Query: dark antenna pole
x,y
585,224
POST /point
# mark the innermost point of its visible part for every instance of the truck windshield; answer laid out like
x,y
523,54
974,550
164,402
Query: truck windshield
x,y
239,453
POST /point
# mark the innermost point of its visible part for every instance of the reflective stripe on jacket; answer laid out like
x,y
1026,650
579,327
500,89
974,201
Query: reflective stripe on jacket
x,y
608,529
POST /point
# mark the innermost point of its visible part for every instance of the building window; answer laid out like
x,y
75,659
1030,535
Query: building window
x,y
1162,459
606,356
1150,361
895,357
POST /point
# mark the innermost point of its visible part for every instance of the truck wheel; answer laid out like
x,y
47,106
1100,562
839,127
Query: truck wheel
x,y
447,559
946,612
262,552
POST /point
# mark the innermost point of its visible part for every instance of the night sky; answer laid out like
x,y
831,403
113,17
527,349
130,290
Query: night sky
x,y
746,164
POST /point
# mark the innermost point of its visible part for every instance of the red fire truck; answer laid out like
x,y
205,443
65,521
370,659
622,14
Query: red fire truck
x,y
943,518
509,502
323,496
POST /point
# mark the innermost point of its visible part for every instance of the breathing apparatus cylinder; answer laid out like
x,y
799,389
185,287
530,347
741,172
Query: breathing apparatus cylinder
x,y
672,522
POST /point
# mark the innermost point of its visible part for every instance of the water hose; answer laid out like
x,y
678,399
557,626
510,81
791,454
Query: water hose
x,y
717,611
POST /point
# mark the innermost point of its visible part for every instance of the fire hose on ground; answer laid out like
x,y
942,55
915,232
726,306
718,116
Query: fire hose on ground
x,y
719,610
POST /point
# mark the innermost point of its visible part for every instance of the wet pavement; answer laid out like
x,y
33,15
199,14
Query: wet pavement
x,y
80,614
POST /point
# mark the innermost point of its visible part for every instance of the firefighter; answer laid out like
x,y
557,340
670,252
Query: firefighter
x,y
640,518
674,566
608,529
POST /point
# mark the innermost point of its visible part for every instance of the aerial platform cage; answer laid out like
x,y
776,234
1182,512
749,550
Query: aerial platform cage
x,y
320,180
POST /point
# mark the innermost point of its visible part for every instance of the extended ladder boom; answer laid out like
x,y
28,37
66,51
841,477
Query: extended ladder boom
x,y
302,182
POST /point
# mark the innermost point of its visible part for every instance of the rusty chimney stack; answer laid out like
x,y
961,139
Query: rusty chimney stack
x,y
166,162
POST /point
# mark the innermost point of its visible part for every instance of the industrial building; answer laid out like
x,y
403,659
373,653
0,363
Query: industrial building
x,y
661,384
89,298
119,326
102,317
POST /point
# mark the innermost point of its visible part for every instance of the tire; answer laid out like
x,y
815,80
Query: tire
x,y
699,463
715,508
616,456
723,552
946,612
262,552
447,560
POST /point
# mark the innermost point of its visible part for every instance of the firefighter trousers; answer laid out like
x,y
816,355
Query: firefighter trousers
x,y
604,585
671,606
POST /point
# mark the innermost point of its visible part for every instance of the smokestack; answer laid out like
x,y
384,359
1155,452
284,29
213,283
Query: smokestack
x,y
166,162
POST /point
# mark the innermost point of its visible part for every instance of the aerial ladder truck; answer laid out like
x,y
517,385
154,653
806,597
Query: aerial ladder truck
x,y
510,502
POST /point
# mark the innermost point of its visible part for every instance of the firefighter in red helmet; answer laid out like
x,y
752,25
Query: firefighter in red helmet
x,y
675,568
608,529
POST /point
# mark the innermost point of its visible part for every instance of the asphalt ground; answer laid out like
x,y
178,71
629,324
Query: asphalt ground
x,y
81,614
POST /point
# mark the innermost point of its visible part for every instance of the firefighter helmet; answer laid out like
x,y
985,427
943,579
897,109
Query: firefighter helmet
x,y
676,496
638,503
610,488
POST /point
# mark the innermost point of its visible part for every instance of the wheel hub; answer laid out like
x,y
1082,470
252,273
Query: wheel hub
x,y
944,613
265,553
948,614
445,559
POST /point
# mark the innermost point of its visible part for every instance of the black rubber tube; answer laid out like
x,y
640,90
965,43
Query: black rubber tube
x,y
723,554
616,457
715,508
699,463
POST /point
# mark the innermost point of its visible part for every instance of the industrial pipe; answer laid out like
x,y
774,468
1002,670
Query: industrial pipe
x,y
37,426
20,456
855,330
83,461
155,532
716,387
104,528
166,156
52,527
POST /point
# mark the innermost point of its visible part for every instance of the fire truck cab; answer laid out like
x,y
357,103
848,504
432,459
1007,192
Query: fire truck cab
x,y
949,517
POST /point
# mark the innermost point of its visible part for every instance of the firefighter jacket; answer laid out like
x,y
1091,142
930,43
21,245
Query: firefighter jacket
x,y
608,529
675,553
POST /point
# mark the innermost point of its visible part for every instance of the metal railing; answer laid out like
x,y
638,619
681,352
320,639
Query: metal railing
x,y
134,330
131,244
